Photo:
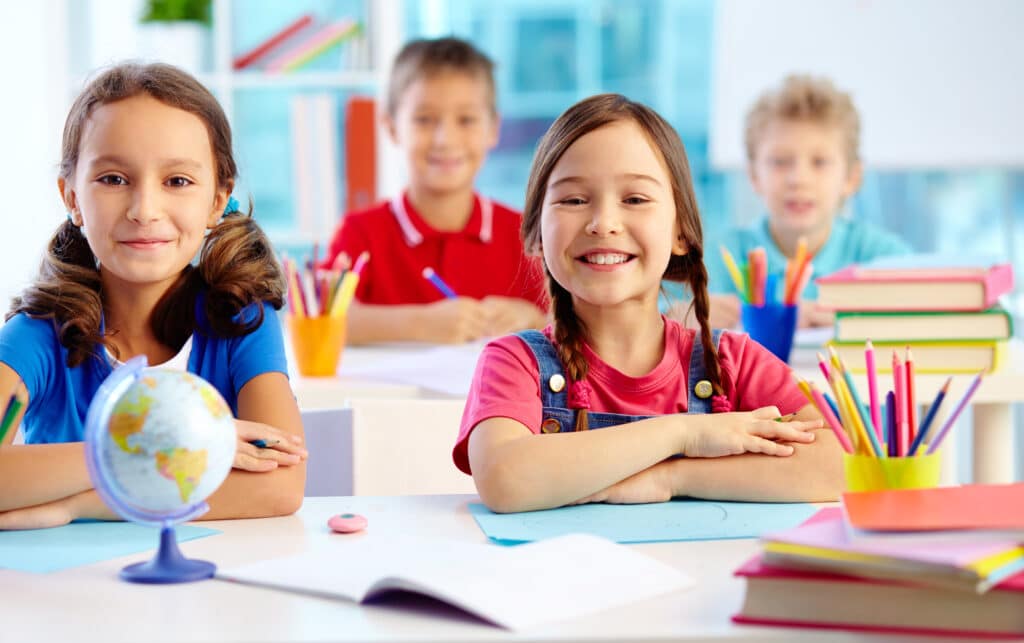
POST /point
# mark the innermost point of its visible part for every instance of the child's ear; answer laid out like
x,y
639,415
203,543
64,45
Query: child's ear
x,y
388,123
854,178
67,195
220,201
679,245
752,176
495,132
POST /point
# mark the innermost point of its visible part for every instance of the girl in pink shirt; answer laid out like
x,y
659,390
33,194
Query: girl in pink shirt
x,y
610,208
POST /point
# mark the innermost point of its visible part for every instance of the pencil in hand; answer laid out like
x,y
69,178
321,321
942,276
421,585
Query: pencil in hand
x,y
12,410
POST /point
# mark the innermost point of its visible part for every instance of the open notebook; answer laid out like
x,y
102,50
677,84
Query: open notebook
x,y
508,586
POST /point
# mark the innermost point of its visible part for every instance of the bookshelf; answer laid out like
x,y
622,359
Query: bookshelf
x,y
259,103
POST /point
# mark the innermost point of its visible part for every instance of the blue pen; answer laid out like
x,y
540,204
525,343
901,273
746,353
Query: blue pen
x,y
263,444
442,287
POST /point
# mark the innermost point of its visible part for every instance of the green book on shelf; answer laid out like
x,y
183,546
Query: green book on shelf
x,y
902,326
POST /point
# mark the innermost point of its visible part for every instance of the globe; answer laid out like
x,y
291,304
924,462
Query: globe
x,y
158,443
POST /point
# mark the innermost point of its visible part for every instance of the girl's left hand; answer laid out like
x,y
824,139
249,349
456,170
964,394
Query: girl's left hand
x,y
283,449
57,513
649,485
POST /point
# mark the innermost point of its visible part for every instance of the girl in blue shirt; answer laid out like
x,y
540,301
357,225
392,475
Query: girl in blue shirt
x,y
146,175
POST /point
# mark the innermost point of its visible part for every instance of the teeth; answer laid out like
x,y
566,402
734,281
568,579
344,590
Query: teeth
x,y
608,258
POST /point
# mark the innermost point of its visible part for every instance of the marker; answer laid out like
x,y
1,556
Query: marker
x,y
263,444
434,278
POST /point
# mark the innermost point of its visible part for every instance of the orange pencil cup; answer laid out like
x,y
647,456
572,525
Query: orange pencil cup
x,y
868,473
317,343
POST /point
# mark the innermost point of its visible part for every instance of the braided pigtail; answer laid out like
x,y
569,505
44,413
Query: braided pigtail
x,y
568,334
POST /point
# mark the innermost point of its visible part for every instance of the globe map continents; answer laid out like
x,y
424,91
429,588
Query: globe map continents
x,y
167,444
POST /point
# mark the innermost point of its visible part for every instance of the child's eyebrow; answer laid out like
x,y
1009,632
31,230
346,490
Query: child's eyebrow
x,y
628,177
113,159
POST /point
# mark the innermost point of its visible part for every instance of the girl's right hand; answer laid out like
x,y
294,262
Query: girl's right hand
x,y
283,449
721,434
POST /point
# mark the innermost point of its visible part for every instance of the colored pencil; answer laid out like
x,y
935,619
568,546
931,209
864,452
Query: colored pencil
x,y
890,423
830,418
734,273
872,375
922,431
908,368
940,435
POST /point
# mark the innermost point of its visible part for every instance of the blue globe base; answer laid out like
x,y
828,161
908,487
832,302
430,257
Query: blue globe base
x,y
169,565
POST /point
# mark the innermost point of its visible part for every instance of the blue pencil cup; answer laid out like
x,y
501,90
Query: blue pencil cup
x,y
772,326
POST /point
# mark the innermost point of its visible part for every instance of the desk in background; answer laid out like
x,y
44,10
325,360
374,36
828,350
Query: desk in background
x,y
90,603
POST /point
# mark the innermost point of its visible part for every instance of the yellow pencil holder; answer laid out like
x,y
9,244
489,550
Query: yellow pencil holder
x,y
868,473
317,343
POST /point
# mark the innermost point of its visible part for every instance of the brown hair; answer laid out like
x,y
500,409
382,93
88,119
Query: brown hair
x,y
805,98
580,119
425,57
236,267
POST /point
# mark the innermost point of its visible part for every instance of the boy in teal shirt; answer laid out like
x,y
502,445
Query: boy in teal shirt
x,y
803,161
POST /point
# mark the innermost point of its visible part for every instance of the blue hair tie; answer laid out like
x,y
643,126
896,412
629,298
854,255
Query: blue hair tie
x,y
232,206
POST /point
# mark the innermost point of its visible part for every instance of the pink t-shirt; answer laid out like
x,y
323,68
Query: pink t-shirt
x,y
506,384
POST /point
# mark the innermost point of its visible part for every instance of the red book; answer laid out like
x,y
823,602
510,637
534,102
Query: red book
x,y
264,48
360,153
791,598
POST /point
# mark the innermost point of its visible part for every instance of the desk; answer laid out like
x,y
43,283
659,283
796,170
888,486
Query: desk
x,y
992,409
90,603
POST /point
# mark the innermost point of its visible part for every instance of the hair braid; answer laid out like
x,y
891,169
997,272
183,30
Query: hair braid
x,y
701,307
568,334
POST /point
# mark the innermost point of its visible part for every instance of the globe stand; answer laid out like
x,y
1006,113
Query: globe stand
x,y
169,565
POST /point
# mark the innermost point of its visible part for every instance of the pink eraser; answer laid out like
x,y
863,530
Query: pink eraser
x,y
346,523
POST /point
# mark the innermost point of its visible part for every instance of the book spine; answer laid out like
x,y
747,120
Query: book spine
x,y
268,45
360,153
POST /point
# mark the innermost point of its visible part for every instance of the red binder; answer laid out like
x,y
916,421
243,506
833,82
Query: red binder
x,y
360,153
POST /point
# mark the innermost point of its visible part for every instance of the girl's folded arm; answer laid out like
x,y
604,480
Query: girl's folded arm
x,y
812,474
516,470
266,398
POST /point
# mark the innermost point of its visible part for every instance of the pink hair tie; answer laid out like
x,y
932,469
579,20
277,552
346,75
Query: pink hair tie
x,y
579,395
720,404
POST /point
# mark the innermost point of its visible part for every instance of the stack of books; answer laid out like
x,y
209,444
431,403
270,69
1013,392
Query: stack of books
x,y
925,561
946,310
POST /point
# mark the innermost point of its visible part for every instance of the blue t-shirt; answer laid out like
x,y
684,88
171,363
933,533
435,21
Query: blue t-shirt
x,y
59,396
848,243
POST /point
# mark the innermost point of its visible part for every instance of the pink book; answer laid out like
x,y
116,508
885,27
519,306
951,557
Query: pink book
x,y
933,288
824,545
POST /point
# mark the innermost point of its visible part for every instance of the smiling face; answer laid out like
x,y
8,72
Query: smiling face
x,y
802,171
608,219
445,126
144,190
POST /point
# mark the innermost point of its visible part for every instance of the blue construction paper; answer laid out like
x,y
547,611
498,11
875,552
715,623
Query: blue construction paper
x,y
41,551
658,522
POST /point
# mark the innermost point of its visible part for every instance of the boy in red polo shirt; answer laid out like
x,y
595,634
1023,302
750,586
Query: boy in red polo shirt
x,y
441,111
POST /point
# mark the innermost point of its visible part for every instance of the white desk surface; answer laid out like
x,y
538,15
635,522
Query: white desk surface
x,y
90,603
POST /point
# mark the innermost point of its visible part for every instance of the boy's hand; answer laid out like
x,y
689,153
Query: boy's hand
x,y
649,485
721,434
509,314
454,321
810,316
281,449
723,312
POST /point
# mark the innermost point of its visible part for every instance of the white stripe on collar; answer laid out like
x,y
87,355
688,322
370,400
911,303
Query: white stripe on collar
x,y
413,236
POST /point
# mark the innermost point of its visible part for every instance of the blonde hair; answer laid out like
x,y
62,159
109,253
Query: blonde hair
x,y
805,98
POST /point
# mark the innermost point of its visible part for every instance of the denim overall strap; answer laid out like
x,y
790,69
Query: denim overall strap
x,y
549,365
697,372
